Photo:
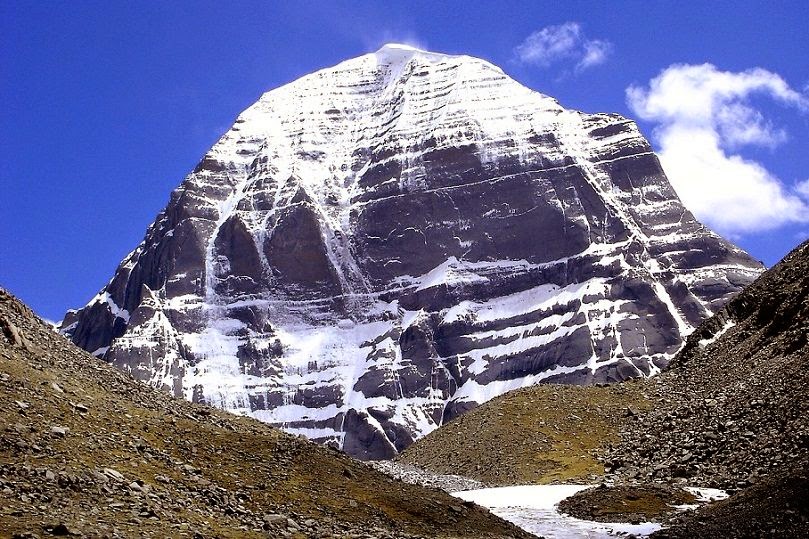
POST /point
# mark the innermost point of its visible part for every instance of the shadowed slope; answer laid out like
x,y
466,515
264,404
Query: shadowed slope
x,y
775,507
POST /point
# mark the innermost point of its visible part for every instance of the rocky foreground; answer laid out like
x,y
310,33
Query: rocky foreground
x,y
730,412
776,506
87,451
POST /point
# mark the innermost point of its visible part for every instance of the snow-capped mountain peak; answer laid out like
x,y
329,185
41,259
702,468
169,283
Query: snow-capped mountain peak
x,y
378,246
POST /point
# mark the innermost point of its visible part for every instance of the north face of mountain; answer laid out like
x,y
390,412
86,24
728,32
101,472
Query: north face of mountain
x,y
380,246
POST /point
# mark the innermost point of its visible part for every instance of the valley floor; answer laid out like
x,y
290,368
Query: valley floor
x,y
543,511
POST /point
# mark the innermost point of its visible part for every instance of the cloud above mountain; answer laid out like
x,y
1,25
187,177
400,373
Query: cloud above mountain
x,y
705,120
564,42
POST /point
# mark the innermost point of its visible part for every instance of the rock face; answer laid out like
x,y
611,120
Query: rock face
x,y
382,245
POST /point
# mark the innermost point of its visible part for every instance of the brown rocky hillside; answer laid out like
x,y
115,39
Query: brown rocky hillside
x,y
542,434
87,451
734,404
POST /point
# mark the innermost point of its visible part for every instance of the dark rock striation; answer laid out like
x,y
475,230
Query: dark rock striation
x,y
380,246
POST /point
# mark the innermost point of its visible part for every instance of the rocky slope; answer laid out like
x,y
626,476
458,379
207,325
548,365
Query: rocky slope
x,y
734,405
87,451
775,507
379,246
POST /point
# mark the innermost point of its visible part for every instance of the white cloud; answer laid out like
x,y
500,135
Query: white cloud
x,y
704,117
563,42
379,37
595,53
802,188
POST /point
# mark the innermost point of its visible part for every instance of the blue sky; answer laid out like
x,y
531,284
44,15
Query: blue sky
x,y
107,105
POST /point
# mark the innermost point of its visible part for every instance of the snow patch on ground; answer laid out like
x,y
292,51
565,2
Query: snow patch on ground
x,y
533,508
706,495
705,342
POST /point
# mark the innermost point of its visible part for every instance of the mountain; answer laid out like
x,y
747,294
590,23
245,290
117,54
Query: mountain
x,y
730,411
377,247
87,451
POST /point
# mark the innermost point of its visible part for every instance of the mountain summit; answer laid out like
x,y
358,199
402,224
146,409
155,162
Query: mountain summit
x,y
379,246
